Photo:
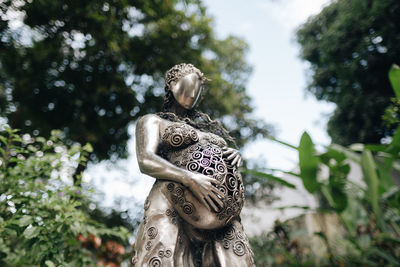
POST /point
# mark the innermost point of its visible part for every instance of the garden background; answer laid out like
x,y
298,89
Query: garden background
x,y
76,75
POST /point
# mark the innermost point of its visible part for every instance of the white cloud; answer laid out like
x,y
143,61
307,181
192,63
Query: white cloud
x,y
291,13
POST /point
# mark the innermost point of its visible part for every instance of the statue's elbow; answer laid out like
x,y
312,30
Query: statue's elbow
x,y
145,165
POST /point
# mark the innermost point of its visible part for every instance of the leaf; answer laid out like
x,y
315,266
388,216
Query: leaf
x,y
371,178
308,162
394,147
394,77
25,220
88,148
349,154
49,263
3,140
31,232
270,177
385,175
281,142
386,256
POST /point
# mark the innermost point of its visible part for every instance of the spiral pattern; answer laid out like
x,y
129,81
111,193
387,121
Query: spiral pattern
x,y
239,235
148,246
176,139
152,232
223,189
214,159
160,253
205,162
239,248
196,155
168,212
226,244
181,200
230,234
207,152
170,187
187,140
220,167
220,177
168,253
216,150
193,166
229,201
236,195
174,198
194,136
155,262
195,147
188,208
179,191
205,157
231,182
208,171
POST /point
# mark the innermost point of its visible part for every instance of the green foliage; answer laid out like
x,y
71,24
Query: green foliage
x,y
351,45
92,67
41,219
369,213
391,117
281,247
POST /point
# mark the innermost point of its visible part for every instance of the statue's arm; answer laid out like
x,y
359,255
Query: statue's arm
x,y
147,142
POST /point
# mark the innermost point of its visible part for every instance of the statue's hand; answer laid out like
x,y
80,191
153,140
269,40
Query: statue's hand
x,y
233,155
202,188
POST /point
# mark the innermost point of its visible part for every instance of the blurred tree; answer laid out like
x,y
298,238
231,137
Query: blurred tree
x,y
92,67
351,45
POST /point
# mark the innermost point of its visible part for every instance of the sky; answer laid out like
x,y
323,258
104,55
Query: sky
x,y
278,83
277,87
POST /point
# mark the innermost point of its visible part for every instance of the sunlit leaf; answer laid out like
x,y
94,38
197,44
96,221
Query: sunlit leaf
x,y
308,162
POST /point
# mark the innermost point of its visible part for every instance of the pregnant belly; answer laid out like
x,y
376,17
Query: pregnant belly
x,y
207,159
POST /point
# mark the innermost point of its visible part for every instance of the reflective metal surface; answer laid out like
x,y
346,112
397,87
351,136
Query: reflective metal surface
x,y
192,214
187,90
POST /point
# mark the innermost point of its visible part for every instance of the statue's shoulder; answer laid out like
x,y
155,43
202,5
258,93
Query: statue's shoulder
x,y
149,119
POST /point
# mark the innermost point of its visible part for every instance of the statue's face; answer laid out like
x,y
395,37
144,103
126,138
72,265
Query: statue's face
x,y
187,90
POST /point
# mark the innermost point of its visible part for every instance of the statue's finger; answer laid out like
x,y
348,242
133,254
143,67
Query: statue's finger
x,y
233,155
211,203
239,163
235,160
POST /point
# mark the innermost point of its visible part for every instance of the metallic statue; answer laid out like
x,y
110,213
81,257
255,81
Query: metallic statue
x,y
192,214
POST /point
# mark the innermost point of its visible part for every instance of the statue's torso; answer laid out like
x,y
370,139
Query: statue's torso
x,y
196,151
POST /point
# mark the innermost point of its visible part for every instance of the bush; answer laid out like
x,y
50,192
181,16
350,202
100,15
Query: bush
x,y
41,217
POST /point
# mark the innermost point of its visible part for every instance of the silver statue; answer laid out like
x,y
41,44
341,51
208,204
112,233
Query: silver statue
x,y
192,214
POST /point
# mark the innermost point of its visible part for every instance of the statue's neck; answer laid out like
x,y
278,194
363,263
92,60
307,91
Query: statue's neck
x,y
179,110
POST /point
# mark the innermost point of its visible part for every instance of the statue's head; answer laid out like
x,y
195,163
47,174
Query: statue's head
x,y
185,82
